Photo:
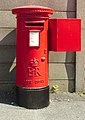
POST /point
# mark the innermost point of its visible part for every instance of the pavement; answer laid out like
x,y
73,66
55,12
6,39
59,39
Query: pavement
x,y
63,106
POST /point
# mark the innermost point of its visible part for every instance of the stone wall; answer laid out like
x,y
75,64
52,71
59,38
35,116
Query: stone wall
x,y
62,67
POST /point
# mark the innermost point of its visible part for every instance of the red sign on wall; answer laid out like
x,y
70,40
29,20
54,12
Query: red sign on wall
x,y
65,35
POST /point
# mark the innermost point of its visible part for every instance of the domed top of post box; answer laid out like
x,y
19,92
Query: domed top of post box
x,y
32,10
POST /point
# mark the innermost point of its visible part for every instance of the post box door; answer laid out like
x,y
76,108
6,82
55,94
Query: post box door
x,y
32,58
65,35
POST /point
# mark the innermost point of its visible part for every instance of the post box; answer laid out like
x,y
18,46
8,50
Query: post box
x,y
32,56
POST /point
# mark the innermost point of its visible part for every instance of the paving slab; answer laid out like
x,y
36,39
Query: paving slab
x,y
63,106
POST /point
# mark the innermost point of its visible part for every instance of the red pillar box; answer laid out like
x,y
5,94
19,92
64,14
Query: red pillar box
x,y
32,56
65,35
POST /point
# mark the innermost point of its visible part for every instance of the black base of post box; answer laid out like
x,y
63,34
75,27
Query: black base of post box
x,y
32,98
